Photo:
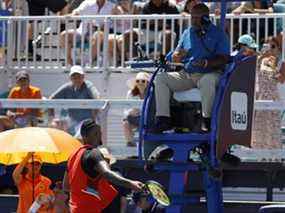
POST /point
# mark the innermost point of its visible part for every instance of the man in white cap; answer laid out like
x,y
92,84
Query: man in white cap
x,y
77,88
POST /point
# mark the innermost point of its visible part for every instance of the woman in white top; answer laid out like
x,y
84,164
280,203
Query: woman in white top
x,y
266,133
132,116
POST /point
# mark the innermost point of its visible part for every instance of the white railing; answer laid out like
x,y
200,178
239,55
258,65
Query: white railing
x,y
114,103
68,103
120,104
156,33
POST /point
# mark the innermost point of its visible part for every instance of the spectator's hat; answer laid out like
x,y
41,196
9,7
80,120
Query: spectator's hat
x,y
248,41
35,158
22,74
141,76
76,69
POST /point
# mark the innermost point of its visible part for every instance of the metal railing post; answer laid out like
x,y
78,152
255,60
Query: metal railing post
x,y
106,44
10,49
283,38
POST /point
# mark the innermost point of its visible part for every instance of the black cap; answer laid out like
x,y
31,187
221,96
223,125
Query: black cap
x,y
86,126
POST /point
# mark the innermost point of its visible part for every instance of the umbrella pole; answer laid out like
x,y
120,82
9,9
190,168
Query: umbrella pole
x,y
33,177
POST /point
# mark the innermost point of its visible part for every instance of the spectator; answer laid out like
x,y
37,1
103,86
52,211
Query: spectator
x,y
120,41
22,117
254,7
87,7
26,176
261,7
89,174
205,48
246,44
279,7
74,4
37,8
188,5
215,7
138,7
266,132
271,54
132,116
77,88
160,7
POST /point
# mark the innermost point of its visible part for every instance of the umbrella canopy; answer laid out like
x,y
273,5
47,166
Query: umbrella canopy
x,y
52,145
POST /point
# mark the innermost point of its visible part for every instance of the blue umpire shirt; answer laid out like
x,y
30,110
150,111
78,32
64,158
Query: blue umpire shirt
x,y
214,41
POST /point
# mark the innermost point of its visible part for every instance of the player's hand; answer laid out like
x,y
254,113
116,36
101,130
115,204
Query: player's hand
x,y
29,155
178,56
136,185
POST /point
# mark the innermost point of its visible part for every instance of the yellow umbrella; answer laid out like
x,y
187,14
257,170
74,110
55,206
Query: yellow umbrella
x,y
52,145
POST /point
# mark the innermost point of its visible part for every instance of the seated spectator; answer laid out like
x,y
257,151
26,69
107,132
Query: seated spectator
x,y
132,116
74,4
279,7
254,7
87,7
22,117
188,5
27,175
215,7
138,7
246,44
77,88
260,7
38,8
159,7
120,41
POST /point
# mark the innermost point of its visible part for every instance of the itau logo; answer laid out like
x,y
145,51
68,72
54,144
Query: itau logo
x,y
239,117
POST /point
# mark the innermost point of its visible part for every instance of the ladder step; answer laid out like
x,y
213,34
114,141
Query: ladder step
x,y
184,199
177,138
175,166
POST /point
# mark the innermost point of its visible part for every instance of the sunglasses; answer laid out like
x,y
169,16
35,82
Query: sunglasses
x,y
141,81
22,79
